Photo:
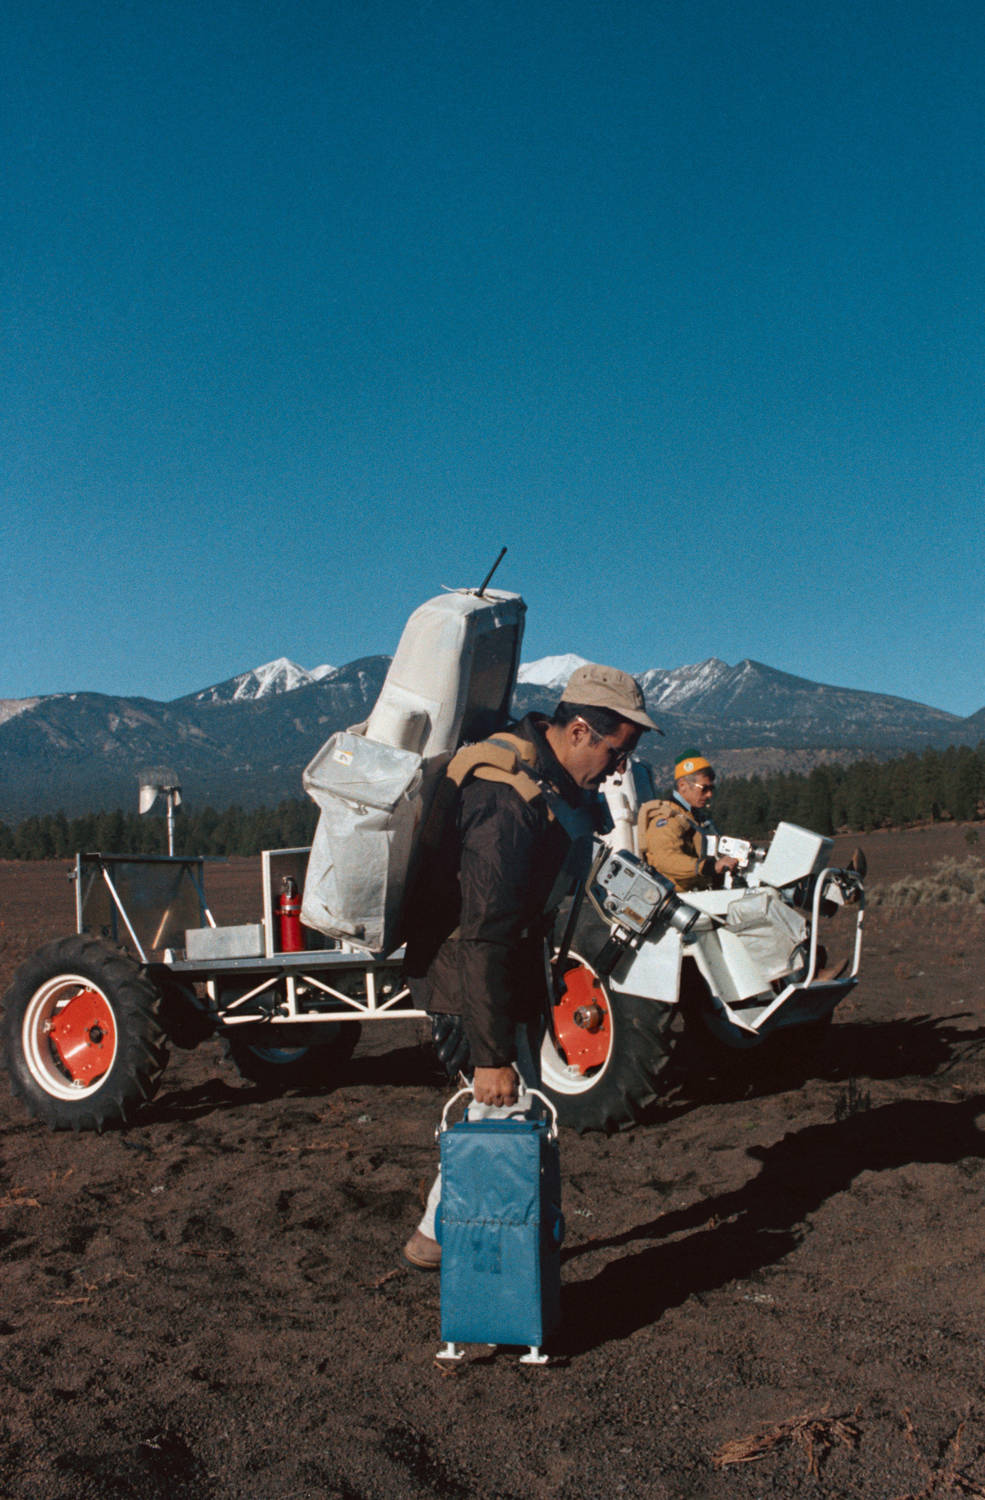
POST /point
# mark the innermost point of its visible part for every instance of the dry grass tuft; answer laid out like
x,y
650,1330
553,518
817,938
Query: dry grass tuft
x,y
815,1433
947,1478
951,882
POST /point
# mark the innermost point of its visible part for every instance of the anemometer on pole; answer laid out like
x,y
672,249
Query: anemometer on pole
x,y
160,781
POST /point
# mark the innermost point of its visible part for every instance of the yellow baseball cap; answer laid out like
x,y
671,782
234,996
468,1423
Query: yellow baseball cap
x,y
690,762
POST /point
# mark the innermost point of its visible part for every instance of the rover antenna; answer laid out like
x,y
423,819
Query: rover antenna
x,y
485,582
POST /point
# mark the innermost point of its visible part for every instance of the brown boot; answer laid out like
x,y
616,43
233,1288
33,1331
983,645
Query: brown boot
x,y
423,1252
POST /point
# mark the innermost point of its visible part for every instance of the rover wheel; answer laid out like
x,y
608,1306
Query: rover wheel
x,y
285,1057
604,1057
82,1034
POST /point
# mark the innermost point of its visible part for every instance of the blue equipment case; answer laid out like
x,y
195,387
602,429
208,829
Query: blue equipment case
x,y
500,1228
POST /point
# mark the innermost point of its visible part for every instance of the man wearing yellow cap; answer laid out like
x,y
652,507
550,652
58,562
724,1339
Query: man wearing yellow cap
x,y
673,831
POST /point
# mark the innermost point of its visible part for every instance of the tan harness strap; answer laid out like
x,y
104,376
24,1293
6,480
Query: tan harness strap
x,y
504,758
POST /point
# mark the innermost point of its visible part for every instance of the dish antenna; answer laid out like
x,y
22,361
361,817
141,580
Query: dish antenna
x,y
160,781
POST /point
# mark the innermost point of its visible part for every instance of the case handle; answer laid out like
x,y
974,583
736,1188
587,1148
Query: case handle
x,y
534,1093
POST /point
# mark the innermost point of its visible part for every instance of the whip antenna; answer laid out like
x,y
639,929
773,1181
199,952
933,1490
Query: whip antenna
x,y
485,582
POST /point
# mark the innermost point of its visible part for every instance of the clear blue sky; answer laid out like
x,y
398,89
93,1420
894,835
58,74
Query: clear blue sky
x,y
309,308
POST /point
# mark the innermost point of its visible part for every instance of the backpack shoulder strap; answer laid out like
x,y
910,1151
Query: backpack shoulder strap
x,y
505,758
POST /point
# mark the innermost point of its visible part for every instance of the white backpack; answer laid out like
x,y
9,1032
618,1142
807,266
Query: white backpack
x,y
450,683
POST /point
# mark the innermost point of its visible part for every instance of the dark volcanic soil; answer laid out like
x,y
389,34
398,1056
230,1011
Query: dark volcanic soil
x,y
213,1303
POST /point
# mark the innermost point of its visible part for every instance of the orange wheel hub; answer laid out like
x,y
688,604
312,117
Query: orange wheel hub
x,y
582,1026
84,1036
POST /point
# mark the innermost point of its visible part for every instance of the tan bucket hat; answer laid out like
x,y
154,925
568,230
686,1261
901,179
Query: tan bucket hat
x,y
607,687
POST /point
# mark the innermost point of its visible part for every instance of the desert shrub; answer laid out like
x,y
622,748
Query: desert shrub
x,y
951,881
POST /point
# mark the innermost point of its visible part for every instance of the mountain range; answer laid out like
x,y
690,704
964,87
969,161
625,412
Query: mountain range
x,y
247,739
280,676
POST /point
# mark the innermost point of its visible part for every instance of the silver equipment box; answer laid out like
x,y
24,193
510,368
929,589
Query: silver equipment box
x,y
225,942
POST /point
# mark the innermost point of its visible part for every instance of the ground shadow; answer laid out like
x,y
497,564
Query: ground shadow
x,y
913,1047
402,1067
197,1101
918,1046
730,1236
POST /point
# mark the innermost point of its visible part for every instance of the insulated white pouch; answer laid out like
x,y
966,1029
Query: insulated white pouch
x,y
370,800
770,929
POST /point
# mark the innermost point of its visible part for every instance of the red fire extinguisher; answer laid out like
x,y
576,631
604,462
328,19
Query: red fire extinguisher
x,y
289,917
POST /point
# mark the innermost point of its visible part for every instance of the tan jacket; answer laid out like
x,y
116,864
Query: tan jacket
x,y
670,841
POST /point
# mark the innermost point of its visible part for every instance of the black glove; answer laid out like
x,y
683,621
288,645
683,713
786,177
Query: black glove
x,y
451,1045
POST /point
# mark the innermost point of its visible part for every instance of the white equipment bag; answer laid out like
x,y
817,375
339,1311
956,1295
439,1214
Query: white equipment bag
x,y
450,682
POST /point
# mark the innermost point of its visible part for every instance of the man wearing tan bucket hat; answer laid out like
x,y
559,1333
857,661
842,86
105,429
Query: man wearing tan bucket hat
x,y
672,831
508,838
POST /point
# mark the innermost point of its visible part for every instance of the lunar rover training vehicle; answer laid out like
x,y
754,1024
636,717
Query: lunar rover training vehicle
x,y
88,1019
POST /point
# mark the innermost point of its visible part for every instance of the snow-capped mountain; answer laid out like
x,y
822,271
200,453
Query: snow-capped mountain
x,y
280,676
11,707
710,699
284,676
550,671
249,738
662,687
682,686
667,689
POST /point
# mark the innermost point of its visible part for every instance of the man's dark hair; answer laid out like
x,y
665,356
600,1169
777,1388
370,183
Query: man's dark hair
x,y
602,720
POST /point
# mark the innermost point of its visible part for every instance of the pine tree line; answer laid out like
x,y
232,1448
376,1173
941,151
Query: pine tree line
x,y
234,830
925,788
